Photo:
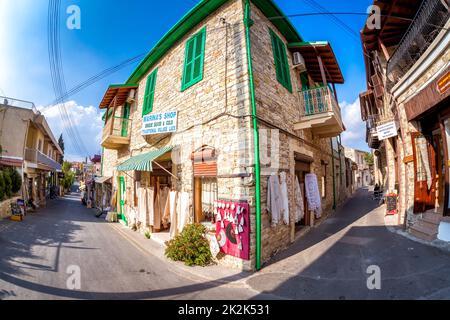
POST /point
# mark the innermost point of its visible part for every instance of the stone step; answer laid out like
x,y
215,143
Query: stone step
x,y
422,232
432,224
432,217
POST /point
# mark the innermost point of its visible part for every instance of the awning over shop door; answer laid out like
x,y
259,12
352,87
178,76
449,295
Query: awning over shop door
x,y
143,162
101,180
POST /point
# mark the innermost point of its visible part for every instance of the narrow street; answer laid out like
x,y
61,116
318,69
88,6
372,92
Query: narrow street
x,y
35,256
330,262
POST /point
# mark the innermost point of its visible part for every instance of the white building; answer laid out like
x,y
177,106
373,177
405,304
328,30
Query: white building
x,y
363,176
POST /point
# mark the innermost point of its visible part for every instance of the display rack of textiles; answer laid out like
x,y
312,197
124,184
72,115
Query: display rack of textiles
x,y
159,206
233,227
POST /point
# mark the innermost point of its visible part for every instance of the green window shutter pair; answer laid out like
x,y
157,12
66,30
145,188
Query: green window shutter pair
x,y
193,60
281,61
149,93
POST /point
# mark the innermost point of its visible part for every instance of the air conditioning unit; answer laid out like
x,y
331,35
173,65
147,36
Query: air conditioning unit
x,y
131,96
299,61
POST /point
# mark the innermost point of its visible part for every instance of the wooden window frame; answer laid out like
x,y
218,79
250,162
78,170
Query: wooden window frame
x,y
281,61
197,41
149,95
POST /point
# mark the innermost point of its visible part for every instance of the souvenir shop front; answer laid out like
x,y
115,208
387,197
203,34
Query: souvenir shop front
x,y
152,197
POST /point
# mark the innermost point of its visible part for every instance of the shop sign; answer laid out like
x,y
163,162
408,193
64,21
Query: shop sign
x,y
160,123
387,130
443,84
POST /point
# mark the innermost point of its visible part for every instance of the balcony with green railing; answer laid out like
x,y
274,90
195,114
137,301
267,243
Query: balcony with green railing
x,y
320,112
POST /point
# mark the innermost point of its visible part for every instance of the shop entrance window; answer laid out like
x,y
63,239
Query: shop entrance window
x,y
206,193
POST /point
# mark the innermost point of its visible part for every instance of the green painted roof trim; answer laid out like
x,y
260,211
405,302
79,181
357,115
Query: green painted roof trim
x,y
195,16
308,43
127,85
143,162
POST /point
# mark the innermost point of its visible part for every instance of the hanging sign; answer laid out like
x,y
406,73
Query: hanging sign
x,y
443,84
160,123
387,130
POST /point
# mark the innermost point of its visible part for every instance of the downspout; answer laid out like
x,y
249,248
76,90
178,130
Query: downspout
x,y
334,176
101,168
248,23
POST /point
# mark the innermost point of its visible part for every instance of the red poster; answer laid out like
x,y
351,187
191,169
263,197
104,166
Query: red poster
x,y
233,228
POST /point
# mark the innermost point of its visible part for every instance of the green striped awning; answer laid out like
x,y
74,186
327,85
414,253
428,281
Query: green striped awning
x,y
143,162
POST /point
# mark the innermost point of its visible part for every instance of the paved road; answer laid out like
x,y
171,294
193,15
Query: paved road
x,y
331,262
35,255
328,263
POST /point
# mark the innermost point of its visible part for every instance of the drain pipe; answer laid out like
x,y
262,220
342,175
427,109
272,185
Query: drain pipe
x,y
248,23
334,176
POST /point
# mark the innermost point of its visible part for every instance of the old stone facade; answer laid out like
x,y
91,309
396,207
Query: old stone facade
x,y
216,112
413,163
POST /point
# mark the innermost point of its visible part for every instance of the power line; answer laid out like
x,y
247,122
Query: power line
x,y
57,75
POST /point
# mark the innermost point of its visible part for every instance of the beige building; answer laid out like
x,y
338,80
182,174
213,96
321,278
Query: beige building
x,y
362,176
185,119
28,144
406,109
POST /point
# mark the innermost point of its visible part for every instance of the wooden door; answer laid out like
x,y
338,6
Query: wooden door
x,y
424,173
440,169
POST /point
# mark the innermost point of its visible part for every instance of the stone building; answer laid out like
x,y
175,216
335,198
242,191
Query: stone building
x,y
406,108
29,145
186,119
363,175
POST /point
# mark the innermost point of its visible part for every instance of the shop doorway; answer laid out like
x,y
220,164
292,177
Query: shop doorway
x,y
122,193
429,169
302,168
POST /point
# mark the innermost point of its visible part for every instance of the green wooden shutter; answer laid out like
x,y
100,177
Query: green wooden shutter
x,y
149,93
193,60
281,61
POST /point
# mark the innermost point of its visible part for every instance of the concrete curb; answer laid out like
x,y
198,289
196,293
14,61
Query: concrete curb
x,y
439,244
156,250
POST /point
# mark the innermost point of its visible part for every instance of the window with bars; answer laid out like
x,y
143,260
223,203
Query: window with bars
x,y
281,61
193,60
149,93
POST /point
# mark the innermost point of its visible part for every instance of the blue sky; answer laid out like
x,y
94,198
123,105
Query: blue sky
x,y
112,31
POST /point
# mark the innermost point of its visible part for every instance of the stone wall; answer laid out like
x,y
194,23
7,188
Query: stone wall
x,y
404,141
216,112
5,207
213,112
281,108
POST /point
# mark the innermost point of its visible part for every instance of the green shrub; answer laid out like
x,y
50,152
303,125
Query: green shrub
x,y
16,180
190,246
2,187
8,184
147,234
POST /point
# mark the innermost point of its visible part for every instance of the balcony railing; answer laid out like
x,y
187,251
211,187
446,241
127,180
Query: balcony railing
x,y
37,157
319,100
116,132
321,112
429,21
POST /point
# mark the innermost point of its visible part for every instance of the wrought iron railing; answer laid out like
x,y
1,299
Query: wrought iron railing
x,y
428,22
317,101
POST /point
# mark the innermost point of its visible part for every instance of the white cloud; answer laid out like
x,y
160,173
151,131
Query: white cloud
x,y
87,121
355,135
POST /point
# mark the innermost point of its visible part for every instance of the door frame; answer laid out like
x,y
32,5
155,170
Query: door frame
x,y
428,199
121,198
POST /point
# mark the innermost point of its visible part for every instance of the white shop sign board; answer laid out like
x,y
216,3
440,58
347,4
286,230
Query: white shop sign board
x,y
387,130
158,123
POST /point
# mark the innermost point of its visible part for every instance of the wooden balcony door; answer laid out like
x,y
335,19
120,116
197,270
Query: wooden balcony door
x,y
125,120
